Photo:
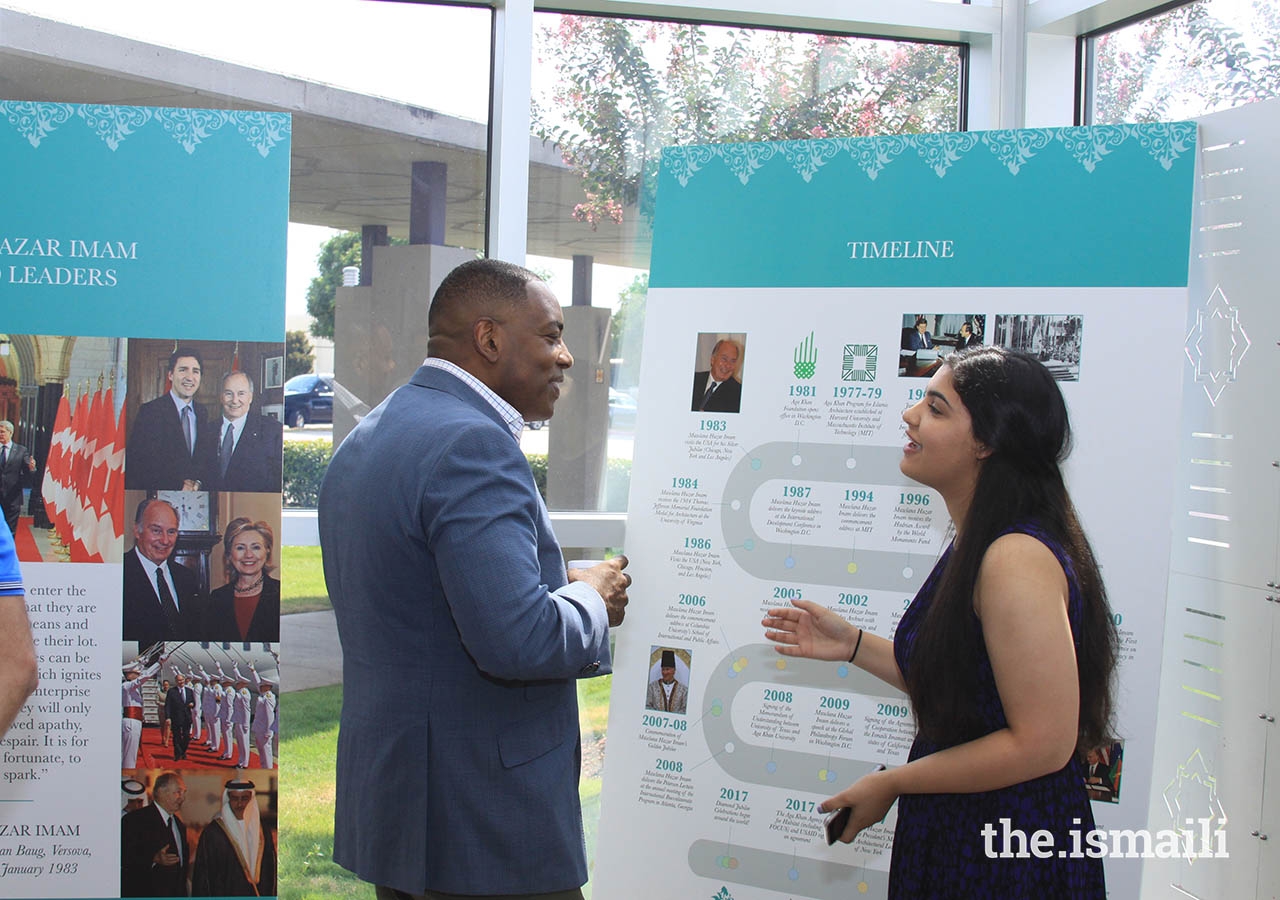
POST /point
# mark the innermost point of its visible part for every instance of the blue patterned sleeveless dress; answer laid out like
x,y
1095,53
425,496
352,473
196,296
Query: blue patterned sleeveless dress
x,y
938,846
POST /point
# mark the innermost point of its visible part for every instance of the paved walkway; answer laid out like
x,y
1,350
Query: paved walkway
x,y
310,655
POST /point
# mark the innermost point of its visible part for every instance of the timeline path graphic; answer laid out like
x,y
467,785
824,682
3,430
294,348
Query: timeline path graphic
x,y
786,873
890,570
782,768
792,769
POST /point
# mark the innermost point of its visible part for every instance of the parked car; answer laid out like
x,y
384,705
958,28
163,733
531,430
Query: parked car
x,y
308,398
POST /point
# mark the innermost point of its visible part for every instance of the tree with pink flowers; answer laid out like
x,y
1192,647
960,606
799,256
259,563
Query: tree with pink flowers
x,y
1189,61
623,89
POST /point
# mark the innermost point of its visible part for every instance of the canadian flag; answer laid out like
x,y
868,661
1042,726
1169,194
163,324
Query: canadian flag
x,y
111,527
84,520
106,466
54,480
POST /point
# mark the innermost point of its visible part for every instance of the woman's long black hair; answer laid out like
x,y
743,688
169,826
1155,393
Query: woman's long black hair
x,y
1019,415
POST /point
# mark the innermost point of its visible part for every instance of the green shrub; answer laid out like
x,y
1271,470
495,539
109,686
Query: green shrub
x,y
538,464
305,463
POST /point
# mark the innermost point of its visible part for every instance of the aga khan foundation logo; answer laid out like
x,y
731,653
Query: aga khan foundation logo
x,y
806,358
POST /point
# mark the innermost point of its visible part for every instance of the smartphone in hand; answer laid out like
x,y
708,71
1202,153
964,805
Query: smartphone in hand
x,y
836,822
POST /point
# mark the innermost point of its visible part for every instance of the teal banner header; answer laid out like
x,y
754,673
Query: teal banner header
x,y
1104,206
147,221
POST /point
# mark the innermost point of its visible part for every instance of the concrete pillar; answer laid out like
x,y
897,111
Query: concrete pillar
x,y
380,331
351,315
427,203
370,236
582,279
579,433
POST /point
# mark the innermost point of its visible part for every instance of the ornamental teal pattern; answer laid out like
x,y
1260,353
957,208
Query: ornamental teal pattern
x,y
1014,148
37,122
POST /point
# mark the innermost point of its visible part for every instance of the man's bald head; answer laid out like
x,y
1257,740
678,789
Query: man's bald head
x,y
478,287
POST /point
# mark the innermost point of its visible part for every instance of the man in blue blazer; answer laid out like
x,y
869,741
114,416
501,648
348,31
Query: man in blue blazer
x,y
445,575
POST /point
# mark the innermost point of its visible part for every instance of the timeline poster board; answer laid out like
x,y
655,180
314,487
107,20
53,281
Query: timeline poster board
x,y
844,272
142,271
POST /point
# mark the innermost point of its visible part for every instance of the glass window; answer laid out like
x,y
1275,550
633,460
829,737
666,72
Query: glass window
x,y
390,105
1196,59
608,94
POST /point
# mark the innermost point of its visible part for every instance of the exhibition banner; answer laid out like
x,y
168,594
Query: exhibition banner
x,y
142,365
819,285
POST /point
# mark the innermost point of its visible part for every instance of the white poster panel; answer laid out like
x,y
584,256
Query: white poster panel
x,y
798,495
790,487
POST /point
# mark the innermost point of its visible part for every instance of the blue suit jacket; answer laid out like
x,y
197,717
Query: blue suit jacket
x,y
458,755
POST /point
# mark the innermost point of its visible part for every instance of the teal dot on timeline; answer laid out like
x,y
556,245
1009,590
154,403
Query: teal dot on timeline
x,y
756,464
748,544
831,775
732,673
793,874
843,671
789,562
771,767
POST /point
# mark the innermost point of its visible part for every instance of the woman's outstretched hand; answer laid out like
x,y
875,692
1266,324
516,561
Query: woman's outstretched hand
x,y
809,630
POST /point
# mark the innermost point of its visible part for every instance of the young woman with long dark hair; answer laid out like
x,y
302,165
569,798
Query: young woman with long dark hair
x,y
1008,651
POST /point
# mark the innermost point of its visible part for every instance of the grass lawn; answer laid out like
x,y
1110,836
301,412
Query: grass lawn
x,y
593,705
593,719
301,580
308,745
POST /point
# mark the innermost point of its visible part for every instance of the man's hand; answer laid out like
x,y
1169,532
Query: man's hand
x,y
165,857
610,582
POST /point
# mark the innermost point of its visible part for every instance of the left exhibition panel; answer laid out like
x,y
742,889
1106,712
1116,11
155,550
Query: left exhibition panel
x,y
142,257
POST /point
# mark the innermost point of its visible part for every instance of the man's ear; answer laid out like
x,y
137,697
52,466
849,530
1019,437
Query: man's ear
x,y
487,337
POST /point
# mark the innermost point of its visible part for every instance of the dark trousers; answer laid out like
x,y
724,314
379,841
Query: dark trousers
x,y
181,738
386,893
